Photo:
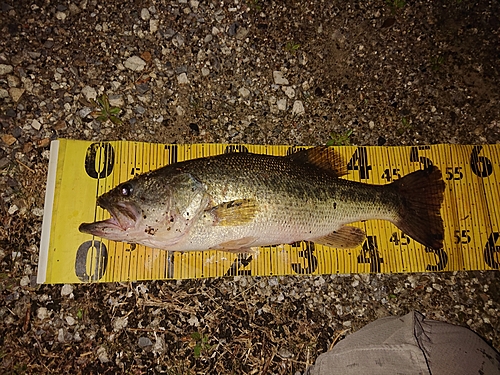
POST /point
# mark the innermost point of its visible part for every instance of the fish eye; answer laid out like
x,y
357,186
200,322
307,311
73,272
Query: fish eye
x,y
127,190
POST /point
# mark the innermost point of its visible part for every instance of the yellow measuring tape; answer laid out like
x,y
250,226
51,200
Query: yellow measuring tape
x,y
80,171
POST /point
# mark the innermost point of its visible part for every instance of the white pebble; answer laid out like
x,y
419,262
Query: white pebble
x,y
279,79
244,92
298,108
35,124
61,16
182,79
135,63
145,14
153,26
89,93
25,281
5,69
290,92
66,290
120,323
193,321
281,103
42,313
102,355
180,111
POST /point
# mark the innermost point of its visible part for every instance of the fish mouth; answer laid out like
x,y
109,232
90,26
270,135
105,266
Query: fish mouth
x,y
123,217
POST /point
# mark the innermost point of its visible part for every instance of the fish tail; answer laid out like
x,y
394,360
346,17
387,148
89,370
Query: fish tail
x,y
421,196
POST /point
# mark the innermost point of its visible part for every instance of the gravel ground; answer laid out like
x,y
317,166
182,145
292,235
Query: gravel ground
x,y
242,71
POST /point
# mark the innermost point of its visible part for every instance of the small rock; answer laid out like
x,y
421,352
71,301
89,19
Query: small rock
x,y
116,101
70,320
60,335
144,342
244,92
25,281
66,290
49,43
153,26
84,112
10,113
142,88
178,40
140,110
4,94
13,81
347,323
273,281
42,313
182,79
34,54
102,355
37,211
120,323
205,71
13,209
5,69
193,321
16,93
285,353
279,79
180,111
371,124
298,108
194,128
74,9
145,15
8,139
16,131
61,16
89,93
281,103
135,63
35,124
290,92
241,33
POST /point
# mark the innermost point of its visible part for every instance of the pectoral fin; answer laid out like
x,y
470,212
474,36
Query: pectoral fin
x,y
237,212
344,237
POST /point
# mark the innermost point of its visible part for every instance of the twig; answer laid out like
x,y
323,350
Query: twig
x,y
341,333
25,166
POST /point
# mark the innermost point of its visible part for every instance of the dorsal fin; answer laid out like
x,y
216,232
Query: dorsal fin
x,y
322,157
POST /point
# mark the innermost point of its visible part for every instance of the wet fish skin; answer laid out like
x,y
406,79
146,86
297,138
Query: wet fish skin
x,y
233,202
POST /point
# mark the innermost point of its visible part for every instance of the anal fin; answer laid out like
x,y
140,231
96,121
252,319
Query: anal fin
x,y
237,212
345,237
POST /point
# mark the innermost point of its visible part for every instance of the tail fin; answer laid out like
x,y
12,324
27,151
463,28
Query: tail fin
x,y
422,195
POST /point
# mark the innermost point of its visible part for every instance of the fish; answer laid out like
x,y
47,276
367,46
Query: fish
x,y
237,202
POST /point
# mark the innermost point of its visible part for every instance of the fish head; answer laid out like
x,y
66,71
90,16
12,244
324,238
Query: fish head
x,y
150,210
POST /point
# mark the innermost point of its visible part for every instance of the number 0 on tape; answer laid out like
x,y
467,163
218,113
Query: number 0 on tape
x,y
80,171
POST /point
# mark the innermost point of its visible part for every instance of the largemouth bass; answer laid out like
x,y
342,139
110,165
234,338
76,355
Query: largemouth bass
x,y
238,201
